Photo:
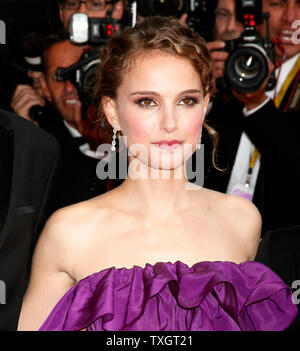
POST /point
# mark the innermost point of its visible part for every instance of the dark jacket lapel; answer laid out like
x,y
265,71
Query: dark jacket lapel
x,y
6,172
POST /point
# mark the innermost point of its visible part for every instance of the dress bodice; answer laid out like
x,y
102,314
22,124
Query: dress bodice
x,y
175,297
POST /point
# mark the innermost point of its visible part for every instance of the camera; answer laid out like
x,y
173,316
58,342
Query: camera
x,y
80,74
201,17
246,67
93,31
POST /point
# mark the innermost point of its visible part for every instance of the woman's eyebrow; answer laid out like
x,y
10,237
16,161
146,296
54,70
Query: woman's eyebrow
x,y
145,93
189,91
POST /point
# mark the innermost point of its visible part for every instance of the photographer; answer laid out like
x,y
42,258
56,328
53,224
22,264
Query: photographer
x,y
272,121
226,27
26,96
63,118
93,8
247,176
225,113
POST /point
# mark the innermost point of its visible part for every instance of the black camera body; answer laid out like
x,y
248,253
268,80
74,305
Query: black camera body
x,y
247,67
81,74
93,31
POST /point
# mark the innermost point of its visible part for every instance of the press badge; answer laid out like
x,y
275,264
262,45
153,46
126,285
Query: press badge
x,y
245,191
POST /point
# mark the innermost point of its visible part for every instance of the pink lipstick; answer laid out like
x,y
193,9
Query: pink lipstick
x,y
168,144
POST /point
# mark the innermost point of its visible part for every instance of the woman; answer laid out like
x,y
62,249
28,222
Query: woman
x,y
152,239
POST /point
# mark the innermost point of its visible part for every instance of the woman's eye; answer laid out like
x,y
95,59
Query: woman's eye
x,y
187,101
146,102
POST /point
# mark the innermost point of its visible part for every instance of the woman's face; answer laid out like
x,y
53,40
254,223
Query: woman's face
x,y
160,108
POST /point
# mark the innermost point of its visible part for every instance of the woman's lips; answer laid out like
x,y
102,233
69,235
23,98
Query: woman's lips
x,y
168,144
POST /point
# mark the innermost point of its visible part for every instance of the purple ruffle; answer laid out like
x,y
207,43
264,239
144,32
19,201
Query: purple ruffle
x,y
174,297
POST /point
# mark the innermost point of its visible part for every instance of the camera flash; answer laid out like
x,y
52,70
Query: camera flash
x,y
79,28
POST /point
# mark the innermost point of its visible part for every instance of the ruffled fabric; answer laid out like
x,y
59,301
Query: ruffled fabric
x,y
208,296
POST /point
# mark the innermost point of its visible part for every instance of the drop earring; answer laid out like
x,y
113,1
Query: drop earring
x,y
113,143
198,145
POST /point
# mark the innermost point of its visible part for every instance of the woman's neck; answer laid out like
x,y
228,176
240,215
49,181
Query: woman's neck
x,y
158,193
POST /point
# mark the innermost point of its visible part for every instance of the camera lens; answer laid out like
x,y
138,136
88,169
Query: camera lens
x,y
246,69
247,66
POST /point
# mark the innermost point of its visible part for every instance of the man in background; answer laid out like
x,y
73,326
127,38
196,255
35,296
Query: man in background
x,y
29,160
93,8
25,94
64,119
245,123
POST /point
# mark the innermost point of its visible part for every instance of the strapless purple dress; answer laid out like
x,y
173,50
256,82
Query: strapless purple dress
x,y
208,296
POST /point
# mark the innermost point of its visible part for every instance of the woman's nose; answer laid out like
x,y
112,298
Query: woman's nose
x,y
169,120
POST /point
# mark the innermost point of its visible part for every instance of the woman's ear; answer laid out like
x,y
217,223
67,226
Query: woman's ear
x,y
110,110
206,102
44,87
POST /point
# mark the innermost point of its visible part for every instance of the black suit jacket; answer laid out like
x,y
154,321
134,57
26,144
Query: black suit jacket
x,y
29,158
227,119
280,250
276,136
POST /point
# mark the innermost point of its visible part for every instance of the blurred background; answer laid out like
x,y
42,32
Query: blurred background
x,y
27,21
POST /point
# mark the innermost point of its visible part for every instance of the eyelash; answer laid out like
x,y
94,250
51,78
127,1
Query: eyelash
x,y
193,99
141,100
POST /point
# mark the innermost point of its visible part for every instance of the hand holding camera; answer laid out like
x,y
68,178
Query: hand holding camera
x,y
256,98
25,98
246,65
218,56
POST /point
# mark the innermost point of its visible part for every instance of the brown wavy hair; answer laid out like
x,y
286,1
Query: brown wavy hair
x,y
165,34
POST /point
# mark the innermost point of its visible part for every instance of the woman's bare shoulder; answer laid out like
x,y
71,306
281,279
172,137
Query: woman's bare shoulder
x,y
72,223
245,222
233,206
244,213
239,216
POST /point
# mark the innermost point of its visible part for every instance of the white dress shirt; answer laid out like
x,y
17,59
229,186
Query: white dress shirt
x,y
84,148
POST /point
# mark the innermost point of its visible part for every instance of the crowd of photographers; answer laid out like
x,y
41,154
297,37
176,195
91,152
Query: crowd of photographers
x,y
255,111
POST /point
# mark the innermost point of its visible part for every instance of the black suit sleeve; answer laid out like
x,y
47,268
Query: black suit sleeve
x,y
267,128
50,201
263,252
279,250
